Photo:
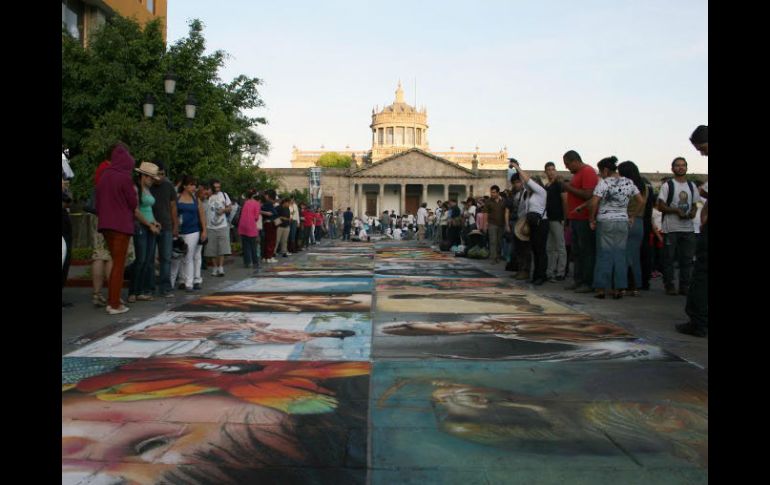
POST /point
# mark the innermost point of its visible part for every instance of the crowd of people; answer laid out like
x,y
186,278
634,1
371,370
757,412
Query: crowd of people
x,y
610,222
139,217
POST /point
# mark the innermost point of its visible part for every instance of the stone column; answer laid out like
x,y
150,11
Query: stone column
x,y
361,202
446,192
380,188
467,191
402,208
424,193
352,193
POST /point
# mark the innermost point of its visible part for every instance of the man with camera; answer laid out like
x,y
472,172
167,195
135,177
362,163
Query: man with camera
x,y
677,201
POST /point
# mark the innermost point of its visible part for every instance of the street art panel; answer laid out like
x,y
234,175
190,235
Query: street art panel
x,y
305,285
278,302
511,301
248,336
432,284
514,416
319,265
552,338
457,272
206,421
318,273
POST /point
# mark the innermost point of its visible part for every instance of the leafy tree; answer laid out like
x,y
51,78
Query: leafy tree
x,y
334,160
300,196
104,86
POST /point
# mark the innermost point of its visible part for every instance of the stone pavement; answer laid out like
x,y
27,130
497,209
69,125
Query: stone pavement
x,y
383,363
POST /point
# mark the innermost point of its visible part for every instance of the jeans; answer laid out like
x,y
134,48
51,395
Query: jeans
x,y
633,250
684,244
164,240
556,250
495,236
645,255
332,230
144,264
346,232
611,269
698,297
584,252
292,237
249,247
539,240
117,242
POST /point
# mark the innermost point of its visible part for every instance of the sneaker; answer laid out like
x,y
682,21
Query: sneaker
x,y
144,298
196,286
116,311
215,272
221,272
690,329
584,289
170,294
289,254
272,260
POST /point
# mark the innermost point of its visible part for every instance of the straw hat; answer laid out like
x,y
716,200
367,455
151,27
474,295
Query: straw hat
x,y
147,168
522,229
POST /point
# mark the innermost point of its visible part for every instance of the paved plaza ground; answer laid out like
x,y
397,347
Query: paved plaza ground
x,y
383,363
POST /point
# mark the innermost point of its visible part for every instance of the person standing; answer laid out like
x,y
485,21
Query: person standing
x,y
495,207
293,225
219,205
116,201
454,223
165,212
269,213
146,229
247,229
537,219
579,190
192,229
608,216
307,224
636,211
422,219
697,308
677,202
348,224
283,227
556,207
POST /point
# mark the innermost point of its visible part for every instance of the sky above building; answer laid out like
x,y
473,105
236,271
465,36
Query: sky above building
x,y
625,78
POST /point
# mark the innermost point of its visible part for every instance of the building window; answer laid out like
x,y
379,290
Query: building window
x,y
380,135
151,6
72,18
400,135
389,136
419,136
410,136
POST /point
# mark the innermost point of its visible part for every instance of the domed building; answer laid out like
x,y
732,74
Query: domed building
x,y
397,128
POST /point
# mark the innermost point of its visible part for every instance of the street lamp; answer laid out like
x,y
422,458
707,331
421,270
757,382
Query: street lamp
x,y
169,82
149,106
189,108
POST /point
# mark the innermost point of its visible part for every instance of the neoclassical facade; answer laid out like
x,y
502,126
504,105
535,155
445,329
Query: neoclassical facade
x,y
399,183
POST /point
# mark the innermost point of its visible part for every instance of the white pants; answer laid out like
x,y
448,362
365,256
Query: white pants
x,y
190,265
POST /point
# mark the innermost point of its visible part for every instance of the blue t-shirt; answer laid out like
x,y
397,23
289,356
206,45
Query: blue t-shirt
x,y
188,212
347,216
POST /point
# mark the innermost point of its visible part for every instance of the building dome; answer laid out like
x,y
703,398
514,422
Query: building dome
x,y
398,127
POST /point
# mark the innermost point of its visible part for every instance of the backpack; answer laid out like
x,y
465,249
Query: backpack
x,y
236,219
670,196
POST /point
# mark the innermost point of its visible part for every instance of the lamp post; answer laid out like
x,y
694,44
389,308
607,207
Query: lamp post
x,y
169,87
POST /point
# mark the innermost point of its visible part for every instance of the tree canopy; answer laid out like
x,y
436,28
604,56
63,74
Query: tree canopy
x,y
105,85
335,160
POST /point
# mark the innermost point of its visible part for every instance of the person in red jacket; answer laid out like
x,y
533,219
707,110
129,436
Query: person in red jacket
x,y
116,200
319,225
307,224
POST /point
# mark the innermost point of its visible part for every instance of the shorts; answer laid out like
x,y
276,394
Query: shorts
x,y
218,243
100,250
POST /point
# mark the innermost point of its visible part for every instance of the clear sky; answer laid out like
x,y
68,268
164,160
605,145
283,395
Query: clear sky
x,y
625,78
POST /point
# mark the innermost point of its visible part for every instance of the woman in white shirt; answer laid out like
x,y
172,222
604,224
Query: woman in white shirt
x,y
608,216
534,199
